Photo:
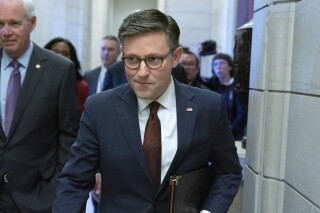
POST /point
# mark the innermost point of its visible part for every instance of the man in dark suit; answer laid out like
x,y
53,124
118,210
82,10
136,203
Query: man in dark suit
x,y
36,145
109,52
98,80
114,132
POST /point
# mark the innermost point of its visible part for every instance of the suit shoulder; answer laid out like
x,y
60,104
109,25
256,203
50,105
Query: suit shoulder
x,y
92,72
54,57
96,69
202,97
116,67
111,94
199,91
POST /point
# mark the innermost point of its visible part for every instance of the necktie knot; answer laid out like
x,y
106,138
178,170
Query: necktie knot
x,y
15,64
154,106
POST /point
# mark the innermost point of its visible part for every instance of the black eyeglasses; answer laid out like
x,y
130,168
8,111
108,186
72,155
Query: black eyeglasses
x,y
152,62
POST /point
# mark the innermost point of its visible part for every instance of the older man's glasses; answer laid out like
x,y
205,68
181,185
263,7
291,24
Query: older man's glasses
x,y
152,62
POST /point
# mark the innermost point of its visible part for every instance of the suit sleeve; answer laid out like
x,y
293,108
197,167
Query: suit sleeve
x,y
78,176
69,114
228,170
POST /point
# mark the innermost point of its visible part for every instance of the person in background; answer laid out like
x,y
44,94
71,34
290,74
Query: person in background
x,y
191,65
99,80
109,52
65,48
114,136
222,82
39,113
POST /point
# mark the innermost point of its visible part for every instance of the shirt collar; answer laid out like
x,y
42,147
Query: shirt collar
x,y
23,60
103,70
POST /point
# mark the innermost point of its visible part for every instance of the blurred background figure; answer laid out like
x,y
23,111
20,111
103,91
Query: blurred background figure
x,y
65,48
109,53
191,66
223,83
99,80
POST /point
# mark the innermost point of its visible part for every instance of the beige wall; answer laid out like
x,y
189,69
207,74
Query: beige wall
x,y
283,146
85,22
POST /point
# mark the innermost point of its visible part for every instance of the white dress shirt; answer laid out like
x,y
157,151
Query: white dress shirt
x,y
5,73
167,114
101,77
168,118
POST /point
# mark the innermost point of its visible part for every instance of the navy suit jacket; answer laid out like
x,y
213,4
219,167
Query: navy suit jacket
x,y
109,139
91,77
116,75
44,126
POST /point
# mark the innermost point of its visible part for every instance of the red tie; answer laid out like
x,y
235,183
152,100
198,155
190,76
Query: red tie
x,y
152,144
13,90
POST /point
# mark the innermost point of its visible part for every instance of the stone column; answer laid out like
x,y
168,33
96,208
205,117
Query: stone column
x,y
282,171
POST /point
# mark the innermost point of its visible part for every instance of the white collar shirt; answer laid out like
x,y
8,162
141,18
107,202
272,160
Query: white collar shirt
x,y
101,77
5,73
167,114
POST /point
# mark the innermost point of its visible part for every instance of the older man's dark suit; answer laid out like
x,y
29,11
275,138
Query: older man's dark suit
x,y
44,127
109,138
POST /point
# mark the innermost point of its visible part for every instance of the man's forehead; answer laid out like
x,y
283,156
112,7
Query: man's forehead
x,y
187,57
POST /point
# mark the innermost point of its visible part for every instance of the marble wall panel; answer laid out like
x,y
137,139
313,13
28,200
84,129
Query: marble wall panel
x,y
251,191
280,42
275,134
306,48
293,202
259,49
255,130
302,158
271,195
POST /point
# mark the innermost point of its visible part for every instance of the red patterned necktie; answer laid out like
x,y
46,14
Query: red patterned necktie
x,y
14,86
152,144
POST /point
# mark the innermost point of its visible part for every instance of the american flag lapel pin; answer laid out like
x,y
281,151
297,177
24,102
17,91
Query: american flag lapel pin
x,y
189,109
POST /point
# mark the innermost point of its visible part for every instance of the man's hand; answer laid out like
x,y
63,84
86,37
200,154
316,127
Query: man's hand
x,y
96,192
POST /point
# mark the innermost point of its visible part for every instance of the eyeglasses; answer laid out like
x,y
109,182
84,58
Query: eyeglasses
x,y
152,62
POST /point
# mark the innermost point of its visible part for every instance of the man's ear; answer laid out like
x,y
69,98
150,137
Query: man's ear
x,y
33,22
176,56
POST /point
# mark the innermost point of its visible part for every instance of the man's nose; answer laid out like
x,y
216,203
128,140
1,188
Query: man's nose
x,y
4,29
143,69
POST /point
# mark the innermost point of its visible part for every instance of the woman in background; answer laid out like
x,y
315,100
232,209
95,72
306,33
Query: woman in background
x,y
223,83
65,48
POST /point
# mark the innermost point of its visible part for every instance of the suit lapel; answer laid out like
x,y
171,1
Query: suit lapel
x,y
129,121
2,135
34,72
94,80
187,113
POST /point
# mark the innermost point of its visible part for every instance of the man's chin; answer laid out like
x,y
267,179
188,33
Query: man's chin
x,y
143,94
10,49
8,46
